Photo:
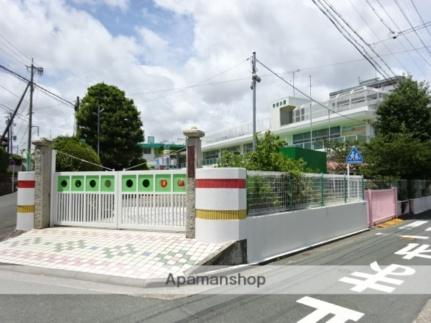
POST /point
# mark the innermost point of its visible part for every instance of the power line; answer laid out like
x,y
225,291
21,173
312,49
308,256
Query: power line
x,y
397,26
13,47
406,31
342,30
302,92
379,17
426,25
314,67
43,89
375,34
197,83
411,25
359,36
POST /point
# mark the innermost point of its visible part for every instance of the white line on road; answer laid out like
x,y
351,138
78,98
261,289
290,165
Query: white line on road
x,y
413,224
341,314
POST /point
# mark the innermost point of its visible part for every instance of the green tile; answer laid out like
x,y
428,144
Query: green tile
x,y
77,184
128,183
63,184
92,183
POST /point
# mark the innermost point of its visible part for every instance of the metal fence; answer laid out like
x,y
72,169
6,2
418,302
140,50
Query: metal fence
x,y
125,199
407,189
270,192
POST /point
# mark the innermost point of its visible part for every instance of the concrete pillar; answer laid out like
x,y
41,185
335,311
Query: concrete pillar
x,y
42,174
221,204
194,160
25,201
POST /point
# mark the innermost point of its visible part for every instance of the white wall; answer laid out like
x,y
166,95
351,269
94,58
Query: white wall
x,y
276,234
421,204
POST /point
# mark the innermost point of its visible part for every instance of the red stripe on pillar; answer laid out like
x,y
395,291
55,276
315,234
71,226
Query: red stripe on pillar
x,y
26,184
220,183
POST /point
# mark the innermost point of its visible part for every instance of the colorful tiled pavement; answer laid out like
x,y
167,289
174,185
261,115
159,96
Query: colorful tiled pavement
x,y
131,254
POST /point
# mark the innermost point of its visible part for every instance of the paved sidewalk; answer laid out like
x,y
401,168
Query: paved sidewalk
x,y
131,254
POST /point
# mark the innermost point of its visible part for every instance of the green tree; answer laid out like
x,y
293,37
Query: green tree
x,y
72,146
405,110
402,146
267,157
404,156
120,126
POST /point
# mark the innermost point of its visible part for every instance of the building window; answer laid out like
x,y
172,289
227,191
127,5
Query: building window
x,y
318,135
248,148
284,102
147,151
211,154
286,116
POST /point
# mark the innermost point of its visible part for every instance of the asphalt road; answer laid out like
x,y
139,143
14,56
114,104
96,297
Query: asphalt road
x,y
7,215
375,245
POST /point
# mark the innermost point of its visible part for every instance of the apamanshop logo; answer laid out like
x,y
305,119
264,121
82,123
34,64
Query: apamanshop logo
x,y
216,280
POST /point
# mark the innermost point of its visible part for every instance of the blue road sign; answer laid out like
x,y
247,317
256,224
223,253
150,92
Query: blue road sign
x,y
354,157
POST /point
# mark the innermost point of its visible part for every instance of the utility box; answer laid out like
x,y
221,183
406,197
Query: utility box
x,y
316,160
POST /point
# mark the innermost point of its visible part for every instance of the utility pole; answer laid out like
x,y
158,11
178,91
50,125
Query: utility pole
x,y
39,71
254,79
311,119
76,107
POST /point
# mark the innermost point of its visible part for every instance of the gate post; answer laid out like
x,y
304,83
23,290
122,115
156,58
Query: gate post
x,y
194,160
42,173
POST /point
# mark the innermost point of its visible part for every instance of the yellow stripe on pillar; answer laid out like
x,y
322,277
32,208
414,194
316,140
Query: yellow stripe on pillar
x,y
221,214
25,208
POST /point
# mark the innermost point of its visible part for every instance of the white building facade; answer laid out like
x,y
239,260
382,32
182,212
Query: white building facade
x,y
347,116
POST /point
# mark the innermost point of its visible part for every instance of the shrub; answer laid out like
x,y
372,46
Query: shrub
x,y
72,146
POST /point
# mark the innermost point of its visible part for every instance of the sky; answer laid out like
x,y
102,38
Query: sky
x,y
186,62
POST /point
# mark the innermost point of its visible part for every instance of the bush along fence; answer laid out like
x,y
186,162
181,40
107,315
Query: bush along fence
x,y
269,192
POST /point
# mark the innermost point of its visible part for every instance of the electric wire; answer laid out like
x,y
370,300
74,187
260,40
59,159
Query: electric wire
x,y
302,92
376,36
332,8
346,35
411,25
405,37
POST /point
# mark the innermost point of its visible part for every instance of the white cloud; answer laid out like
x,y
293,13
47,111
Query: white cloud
x,y
77,50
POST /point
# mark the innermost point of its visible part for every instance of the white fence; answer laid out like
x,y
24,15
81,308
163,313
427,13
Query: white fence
x,y
127,199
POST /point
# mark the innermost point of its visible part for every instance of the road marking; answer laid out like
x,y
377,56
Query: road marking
x,y
414,237
428,229
340,314
372,280
413,224
409,251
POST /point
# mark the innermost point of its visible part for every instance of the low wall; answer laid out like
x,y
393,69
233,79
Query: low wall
x,y
273,235
382,205
420,204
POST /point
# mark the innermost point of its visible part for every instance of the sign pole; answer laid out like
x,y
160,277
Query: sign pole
x,y
348,180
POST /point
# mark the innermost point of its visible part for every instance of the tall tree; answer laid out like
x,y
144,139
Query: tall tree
x,y
406,110
402,146
120,126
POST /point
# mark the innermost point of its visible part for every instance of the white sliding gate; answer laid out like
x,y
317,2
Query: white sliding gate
x,y
126,199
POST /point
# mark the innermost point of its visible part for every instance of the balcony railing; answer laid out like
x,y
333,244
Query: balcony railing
x,y
323,143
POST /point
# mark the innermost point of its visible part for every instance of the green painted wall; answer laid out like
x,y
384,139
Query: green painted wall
x,y
316,160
